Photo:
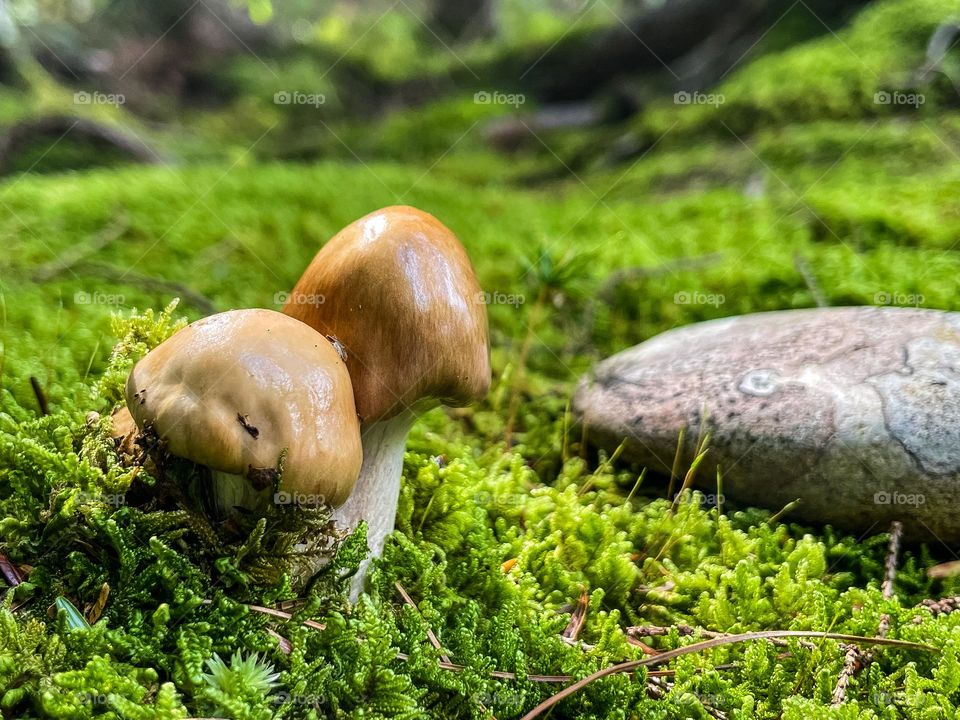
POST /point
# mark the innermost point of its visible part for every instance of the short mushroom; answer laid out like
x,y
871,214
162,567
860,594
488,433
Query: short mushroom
x,y
397,291
237,390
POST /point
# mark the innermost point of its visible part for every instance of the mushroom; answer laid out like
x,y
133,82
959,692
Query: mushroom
x,y
397,291
236,391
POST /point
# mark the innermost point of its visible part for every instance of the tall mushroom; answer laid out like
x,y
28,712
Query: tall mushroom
x,y
398,292
237,390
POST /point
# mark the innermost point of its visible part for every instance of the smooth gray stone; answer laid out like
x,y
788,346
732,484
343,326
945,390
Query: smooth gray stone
x,y
855,411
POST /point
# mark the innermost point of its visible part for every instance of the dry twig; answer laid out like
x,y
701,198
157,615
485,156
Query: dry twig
x,y
430,634
855,660
78,253
663,657
577,618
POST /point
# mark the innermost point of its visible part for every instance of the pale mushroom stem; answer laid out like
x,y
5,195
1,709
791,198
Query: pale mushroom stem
x,y
232,491
374,497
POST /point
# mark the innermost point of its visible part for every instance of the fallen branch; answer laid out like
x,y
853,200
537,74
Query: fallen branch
x,y
149,283
854,660
56,127
890,574
688,630
577,618
614,280
430,634
77,253
710,645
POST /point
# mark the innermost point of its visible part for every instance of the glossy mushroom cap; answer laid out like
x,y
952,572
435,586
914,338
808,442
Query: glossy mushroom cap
x,y
233,391
397,290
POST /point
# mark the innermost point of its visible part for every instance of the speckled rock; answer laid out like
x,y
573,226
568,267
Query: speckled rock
x,y
855,411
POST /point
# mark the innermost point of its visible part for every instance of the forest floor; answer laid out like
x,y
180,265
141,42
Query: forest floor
x,y
799,187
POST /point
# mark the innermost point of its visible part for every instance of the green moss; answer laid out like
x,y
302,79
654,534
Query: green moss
x,y
865,197
459,522
834,77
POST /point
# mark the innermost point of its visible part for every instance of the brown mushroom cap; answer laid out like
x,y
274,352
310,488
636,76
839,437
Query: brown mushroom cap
x,y
233,391
397,289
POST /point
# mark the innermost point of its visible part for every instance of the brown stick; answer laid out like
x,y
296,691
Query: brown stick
x,y
77,253
855,660
118,275
687,630
577,618
709,645
605,293
430,634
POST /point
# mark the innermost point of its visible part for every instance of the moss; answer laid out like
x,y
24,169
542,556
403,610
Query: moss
x,y
460,521
495,544
836,77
